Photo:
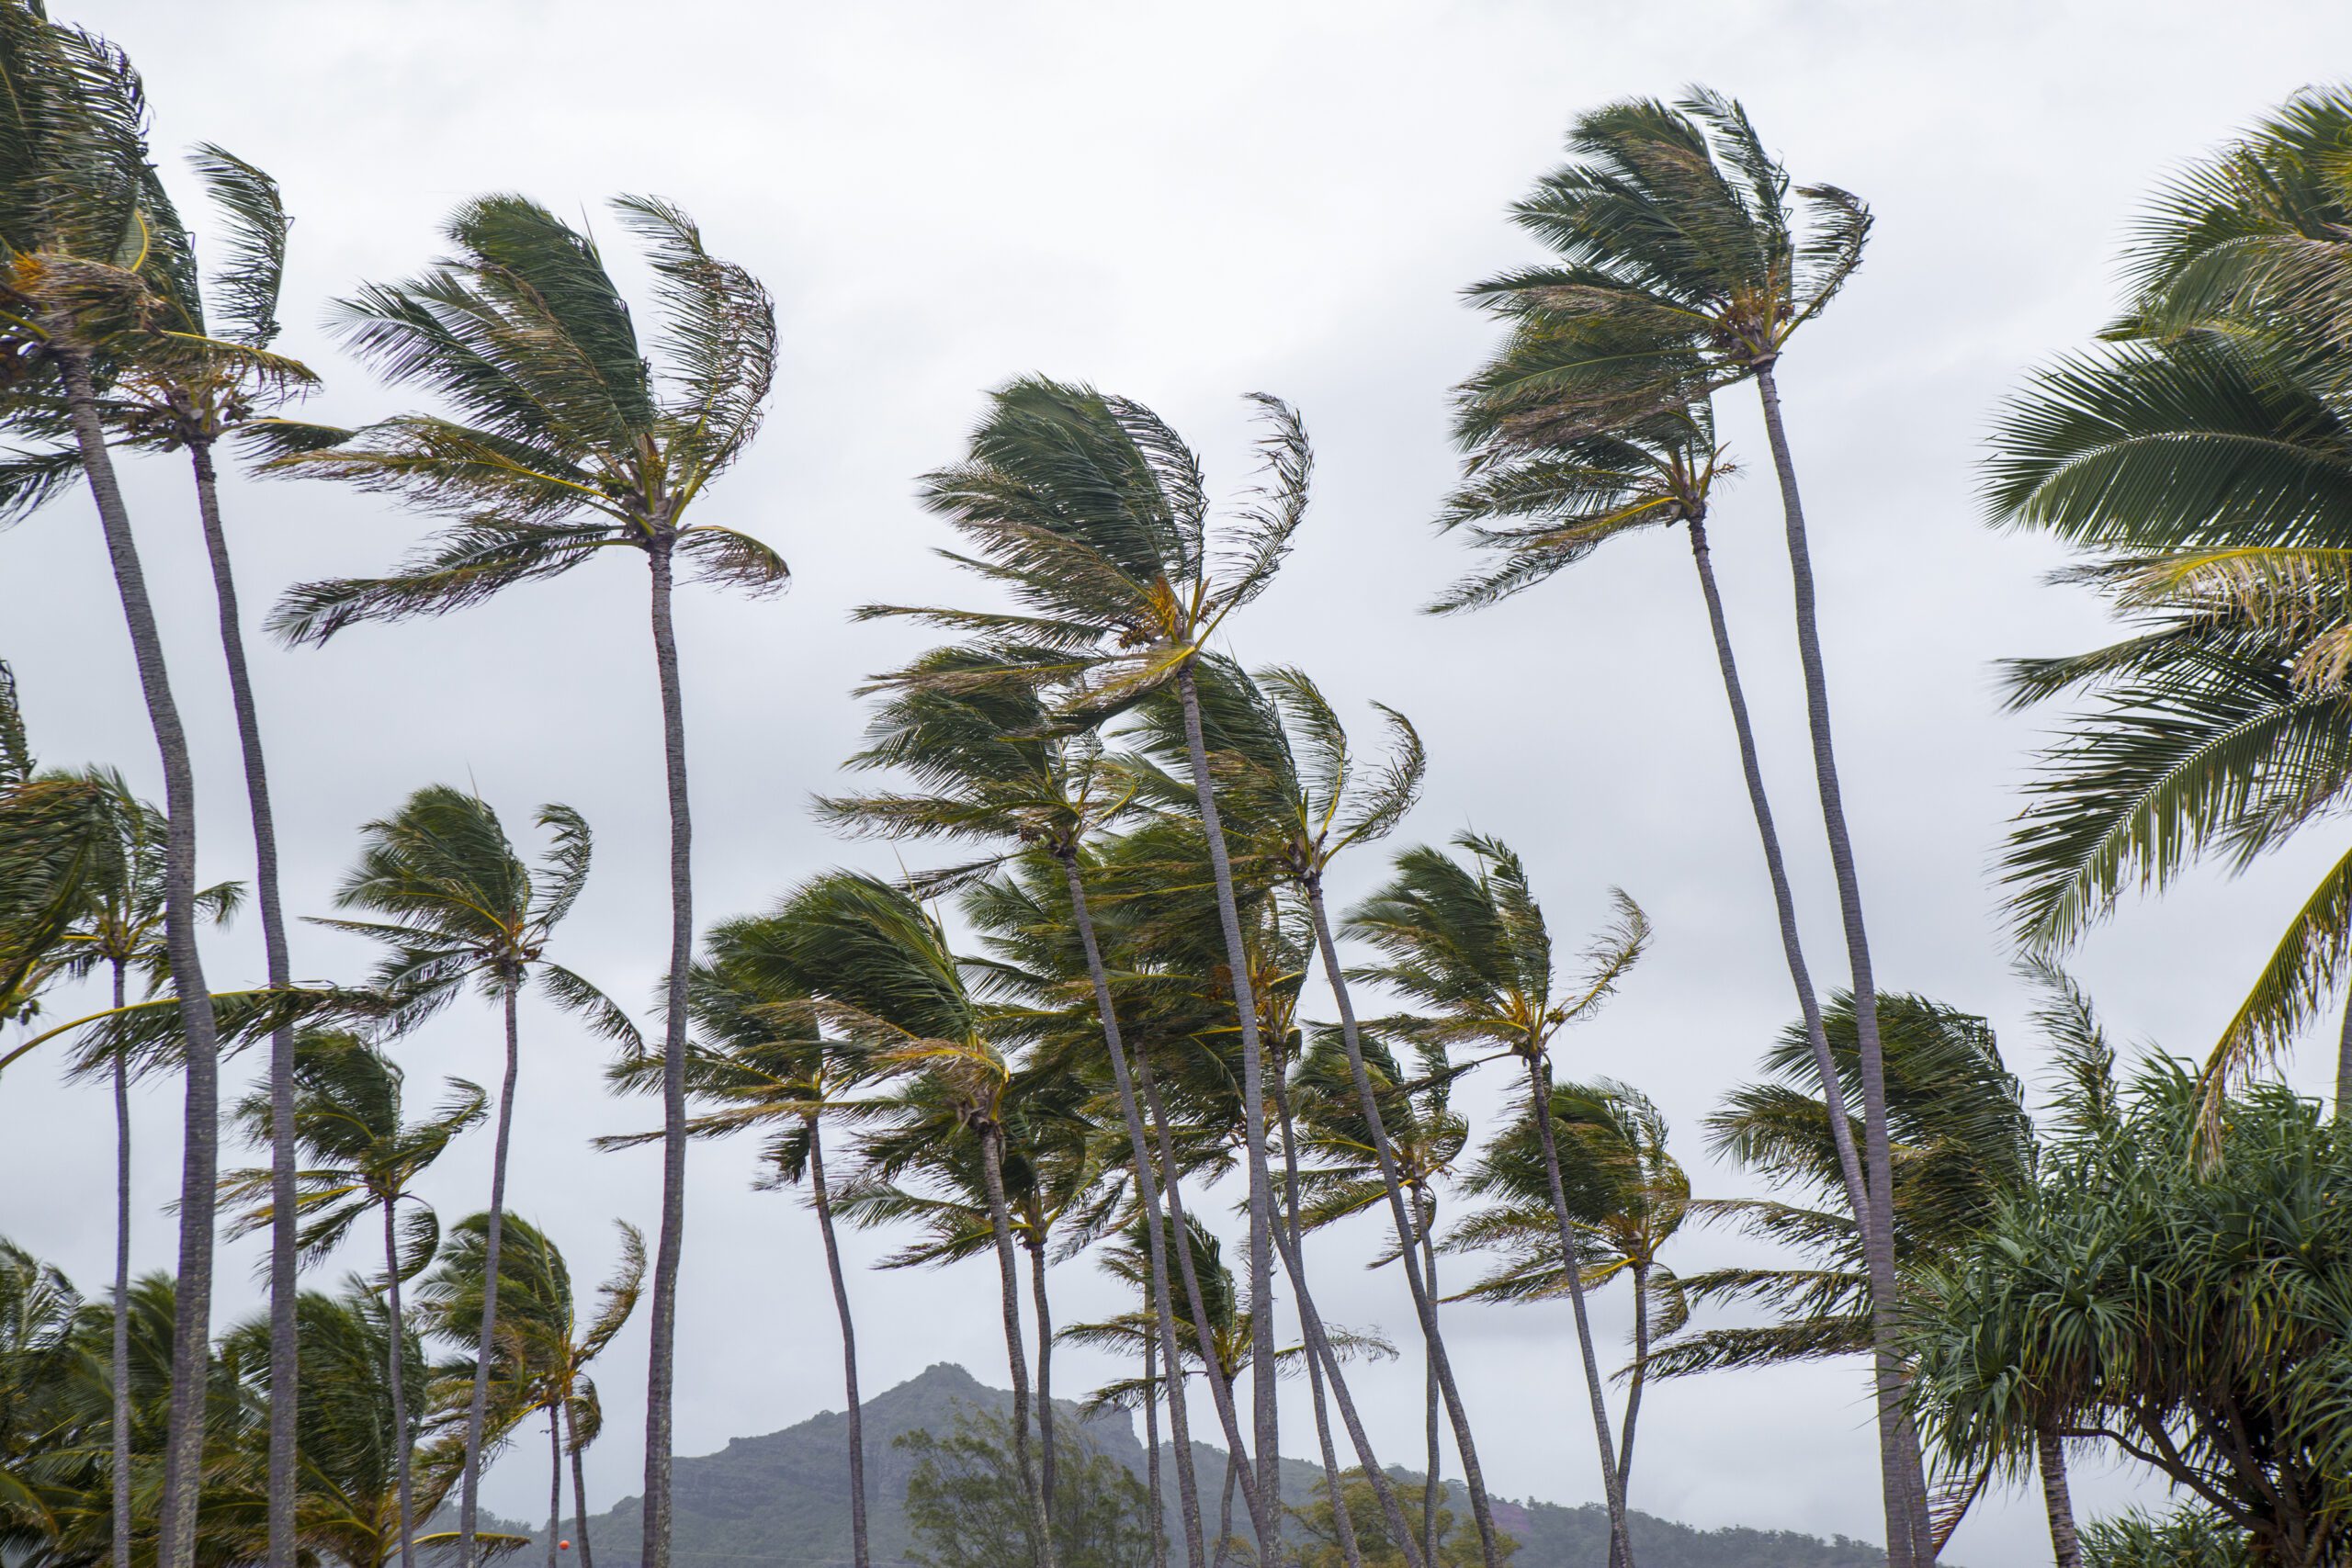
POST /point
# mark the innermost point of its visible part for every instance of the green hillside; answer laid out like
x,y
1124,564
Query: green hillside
x,y
779,1501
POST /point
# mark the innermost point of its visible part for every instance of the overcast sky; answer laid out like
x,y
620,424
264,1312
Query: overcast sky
x,y
1183,205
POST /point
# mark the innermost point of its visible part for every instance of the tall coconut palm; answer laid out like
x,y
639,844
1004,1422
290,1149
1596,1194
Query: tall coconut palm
x,y
1302,796
763,1064
457,905
989,767
568,439
1684,265
1467,940
1094,515
76,254
361,1162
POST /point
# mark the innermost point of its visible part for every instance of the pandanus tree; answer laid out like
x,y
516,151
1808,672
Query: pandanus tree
x,y
456,905
2200,460
1466,941
1682,262
1630,1196
1093,514
361,1158
986,764
763,1064
1301,795
568,438
77,252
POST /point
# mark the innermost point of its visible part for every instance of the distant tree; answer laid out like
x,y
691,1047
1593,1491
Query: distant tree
x,y
1455,1547
967,1507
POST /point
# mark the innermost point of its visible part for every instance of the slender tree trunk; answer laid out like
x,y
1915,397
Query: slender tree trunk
x,y
1538,1084
1147,1195
1424,1299
660,1374
824,1203
478,1408
1009,1287
2057,1498
120,1365
579,1487
1639,1376
1171,1188
284,1364
403,1438
1225,1510
1430,1398
555,1481
1151,1450
200,1148
1044,1376
1264,1418
1910,1540
2344,1062
1350,1552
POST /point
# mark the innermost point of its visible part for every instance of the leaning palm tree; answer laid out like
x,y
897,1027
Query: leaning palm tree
x,y
1682,266
361,1161
76,258
1469,942
568,440
456,904
988,766
762,1063
1093,513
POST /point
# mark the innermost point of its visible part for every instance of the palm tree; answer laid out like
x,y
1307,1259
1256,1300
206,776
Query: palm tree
x,y
763,1064
362,1161
1302,797
1630,1196
569,441
988,766
1682,267
1469,942
75,242
1093,513
457,905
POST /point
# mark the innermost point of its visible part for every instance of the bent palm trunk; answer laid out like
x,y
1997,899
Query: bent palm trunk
x,y
1424,1299
824,1205
555,1481
284,1363
1009,1287
1044,1378
478,1408
1345,1526
118,1364
1147,1195
2057,1498
1910,1539
660,1372
579,1487
1538,1084
200,1163
1265,1433
1431,1399
1151,1450
404,1439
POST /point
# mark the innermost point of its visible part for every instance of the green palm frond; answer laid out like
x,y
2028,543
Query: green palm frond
x,y
246,286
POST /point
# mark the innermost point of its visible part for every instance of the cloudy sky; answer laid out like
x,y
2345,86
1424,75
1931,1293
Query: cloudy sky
x,y
1183,205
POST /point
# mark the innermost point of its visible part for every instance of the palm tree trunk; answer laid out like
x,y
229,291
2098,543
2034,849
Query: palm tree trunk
x,y
200,1148
660,1372
1350,1552
1009,1287
404,1439
1147,1196
478,1409
2344,1062
1224,1509
120,1365
1424,1299
1171,1188
1909,1537
555,1481
1429,1395
579,1487
2057,1498
283,1361
1044,1376
824,1202
1264,1418
1151,1450
1539,1084
1635,1381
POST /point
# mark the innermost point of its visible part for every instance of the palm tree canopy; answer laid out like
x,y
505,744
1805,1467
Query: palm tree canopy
x,y
569,435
